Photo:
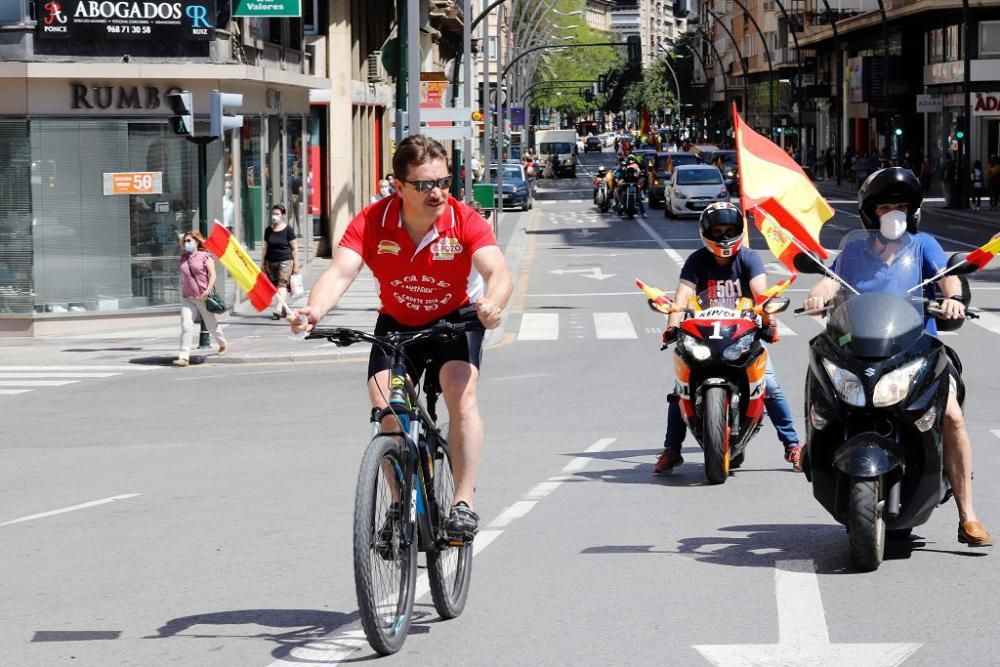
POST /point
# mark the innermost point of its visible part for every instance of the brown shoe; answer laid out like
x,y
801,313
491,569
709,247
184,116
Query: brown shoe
x,y
973,534
181,362
222,351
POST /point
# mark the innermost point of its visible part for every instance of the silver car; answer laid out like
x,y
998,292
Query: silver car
x,y
693,187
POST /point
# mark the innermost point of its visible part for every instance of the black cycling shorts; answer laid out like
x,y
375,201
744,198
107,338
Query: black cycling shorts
x,y
420,356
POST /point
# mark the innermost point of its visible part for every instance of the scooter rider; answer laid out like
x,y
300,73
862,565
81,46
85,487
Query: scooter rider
x,y
723,266
631,172
602,175
889,201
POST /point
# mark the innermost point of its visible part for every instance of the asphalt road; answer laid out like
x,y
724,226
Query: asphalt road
x,y
224,537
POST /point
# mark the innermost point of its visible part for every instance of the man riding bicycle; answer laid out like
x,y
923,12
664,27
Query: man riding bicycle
x,y
724,267
430,255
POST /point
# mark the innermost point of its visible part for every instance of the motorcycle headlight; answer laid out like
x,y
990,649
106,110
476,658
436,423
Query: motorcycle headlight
x,y
699,351
846,383
894,386
739,348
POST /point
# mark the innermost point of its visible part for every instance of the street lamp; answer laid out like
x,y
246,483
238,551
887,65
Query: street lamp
x,y
677,84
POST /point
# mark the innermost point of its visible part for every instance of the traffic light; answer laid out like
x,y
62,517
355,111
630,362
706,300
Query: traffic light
x,y
960,128
898,131
477,116
182,104
634,46
602,83
588,94
220,122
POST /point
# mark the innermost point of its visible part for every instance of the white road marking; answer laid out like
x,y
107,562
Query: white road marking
x,y
38,376
803,638
93,503
539,326
12,392
634,292
36,383
785,330
996,432
988,321
671,253
613,326
130,367
347,642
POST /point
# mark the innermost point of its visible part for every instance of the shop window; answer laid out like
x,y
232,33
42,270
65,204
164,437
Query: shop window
x,y
19,169
12,11
989,39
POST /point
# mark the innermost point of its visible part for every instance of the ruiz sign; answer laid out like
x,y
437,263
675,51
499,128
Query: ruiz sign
x,y
178,20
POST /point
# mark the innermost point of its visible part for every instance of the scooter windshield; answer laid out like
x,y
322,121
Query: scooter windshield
x,y
886,317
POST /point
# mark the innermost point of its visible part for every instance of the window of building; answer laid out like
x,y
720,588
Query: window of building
x,y
13,11
989,39
310,16
952,43
491,48
935,46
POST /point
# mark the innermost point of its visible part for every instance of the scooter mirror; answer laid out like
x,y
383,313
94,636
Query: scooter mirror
x,y
966,268
776,304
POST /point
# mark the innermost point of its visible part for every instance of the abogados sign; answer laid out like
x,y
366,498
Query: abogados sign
x,y
177,20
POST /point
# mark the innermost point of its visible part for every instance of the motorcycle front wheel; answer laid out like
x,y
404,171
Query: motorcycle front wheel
x,y
715,434
865,523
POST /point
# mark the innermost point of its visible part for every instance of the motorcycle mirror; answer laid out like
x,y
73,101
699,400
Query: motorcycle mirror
x,y
805,263
965,269
776,304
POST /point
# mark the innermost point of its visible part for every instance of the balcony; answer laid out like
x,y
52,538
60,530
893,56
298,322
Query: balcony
x,y
446,16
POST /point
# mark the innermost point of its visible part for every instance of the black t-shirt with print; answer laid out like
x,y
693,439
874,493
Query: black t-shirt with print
x,y
725,283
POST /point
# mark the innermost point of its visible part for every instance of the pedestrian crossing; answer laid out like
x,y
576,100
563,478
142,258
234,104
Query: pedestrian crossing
x,y
17,380
544,326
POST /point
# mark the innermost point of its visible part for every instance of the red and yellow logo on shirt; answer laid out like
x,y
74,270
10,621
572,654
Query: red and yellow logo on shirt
x,y
388,248
446,248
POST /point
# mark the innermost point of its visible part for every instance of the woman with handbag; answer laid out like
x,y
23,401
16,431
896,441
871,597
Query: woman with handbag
x,y
197,287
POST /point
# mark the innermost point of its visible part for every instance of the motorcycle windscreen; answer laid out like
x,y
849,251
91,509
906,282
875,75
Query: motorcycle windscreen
x,y
887,316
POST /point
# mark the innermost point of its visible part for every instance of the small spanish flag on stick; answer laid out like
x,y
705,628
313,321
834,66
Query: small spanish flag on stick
x,y
982,255
244,271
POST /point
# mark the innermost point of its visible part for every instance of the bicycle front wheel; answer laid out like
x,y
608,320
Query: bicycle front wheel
x,y
385,569
449,568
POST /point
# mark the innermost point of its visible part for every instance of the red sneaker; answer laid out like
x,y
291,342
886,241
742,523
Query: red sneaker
x,y
667,461
793,455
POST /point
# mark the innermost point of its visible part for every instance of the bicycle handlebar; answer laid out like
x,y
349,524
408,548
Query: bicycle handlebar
x,y
342,337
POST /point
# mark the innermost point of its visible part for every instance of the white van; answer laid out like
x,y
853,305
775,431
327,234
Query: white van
x,y
559,146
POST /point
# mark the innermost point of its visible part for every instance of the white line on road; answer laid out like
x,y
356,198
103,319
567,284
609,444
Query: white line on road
x,y
803,638
38,376
347,642
613,326
36,383
12,392
130,367
785,330
671,253
527,376
996,432
93,503
988,321
539,326
634,292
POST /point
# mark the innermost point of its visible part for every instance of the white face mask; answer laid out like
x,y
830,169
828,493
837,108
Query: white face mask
x,y
190,246
892,224
276,219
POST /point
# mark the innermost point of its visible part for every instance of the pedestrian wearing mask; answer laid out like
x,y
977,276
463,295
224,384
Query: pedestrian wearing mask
x,y
197,281
384,190
281,256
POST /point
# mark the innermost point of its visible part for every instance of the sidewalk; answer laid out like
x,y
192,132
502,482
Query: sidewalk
x,y
252,337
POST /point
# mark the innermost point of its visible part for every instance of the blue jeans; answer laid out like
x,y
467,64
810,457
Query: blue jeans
x,y
778,412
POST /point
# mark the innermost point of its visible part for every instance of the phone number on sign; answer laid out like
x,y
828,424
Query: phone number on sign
x,y
129,29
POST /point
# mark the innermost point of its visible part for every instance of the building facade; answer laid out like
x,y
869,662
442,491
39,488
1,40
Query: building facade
x,y
598,14
97,184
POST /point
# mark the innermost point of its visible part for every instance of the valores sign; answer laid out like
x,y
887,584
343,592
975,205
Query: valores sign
x,y
272,8
185,20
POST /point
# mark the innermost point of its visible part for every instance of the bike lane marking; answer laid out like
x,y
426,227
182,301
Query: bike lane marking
x,y
803,637
348,642
93,503
671,253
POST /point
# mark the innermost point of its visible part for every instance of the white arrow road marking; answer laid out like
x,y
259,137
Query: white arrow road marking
x,y
347,642
93,503
803,638
594,272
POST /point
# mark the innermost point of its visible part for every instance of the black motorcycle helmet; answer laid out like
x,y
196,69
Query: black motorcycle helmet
x,y
894,185
722,213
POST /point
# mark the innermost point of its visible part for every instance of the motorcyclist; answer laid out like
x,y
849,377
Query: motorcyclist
x,y
631,172
889,201
602,175
723,266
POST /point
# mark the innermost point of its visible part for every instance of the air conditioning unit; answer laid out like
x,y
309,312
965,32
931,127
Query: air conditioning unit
x,y
376,72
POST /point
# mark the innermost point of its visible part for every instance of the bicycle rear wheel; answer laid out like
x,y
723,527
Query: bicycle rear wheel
x,y
449,568
385,570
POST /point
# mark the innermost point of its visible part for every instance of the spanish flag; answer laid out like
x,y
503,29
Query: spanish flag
x,y
786,207
982,255
244,271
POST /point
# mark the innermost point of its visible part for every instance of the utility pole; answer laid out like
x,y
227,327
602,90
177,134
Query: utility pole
x,y
413,64
403,62
467,87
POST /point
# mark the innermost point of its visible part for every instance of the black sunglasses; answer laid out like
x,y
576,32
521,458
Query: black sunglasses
x,y
427,186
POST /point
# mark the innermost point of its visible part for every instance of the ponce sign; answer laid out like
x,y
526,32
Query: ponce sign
x,y
986,104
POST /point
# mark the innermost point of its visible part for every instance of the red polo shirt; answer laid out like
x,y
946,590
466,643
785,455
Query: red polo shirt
x,y
419,284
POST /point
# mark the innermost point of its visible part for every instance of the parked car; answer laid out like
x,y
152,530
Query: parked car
x,y
665,165
516,189
692,188
727,164
592,144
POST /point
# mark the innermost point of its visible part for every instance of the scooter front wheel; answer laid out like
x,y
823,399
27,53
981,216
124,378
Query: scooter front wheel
x,y
865,523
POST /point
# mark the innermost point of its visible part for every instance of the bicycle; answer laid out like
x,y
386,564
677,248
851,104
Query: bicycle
x,y
415,468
